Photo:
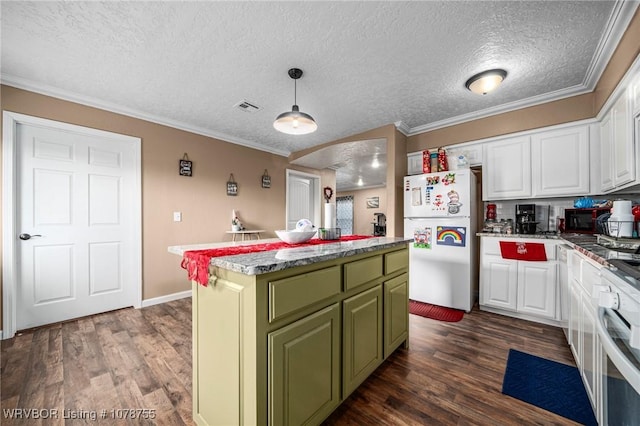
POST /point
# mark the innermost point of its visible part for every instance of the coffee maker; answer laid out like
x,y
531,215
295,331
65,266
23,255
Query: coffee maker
x,y
379,225
526,219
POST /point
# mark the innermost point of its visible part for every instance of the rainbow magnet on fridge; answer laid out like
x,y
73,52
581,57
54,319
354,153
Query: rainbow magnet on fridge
x,y
451,236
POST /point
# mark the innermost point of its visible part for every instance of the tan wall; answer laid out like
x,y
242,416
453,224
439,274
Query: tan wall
x,y
202,199
363,217
548,114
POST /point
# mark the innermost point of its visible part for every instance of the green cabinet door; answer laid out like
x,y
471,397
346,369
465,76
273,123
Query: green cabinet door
x,y
396,315
362,338
304,369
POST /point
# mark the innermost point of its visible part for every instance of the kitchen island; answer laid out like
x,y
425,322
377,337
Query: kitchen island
x,y
282,337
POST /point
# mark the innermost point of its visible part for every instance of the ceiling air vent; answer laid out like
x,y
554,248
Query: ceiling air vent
x,y
247,106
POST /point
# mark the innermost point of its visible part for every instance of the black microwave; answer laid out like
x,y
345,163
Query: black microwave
x,y
583,221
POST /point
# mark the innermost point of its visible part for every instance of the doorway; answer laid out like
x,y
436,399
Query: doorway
x,y
71,222
302,198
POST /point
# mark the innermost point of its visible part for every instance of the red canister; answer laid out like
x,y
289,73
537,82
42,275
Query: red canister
x,y
491,212
443,166
426,161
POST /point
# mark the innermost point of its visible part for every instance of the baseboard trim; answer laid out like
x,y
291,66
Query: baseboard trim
x,y
167,298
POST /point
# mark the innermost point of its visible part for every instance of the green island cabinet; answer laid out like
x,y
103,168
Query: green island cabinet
x,y
287,347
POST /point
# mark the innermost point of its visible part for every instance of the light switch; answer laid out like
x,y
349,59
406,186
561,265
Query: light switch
x,y
177,216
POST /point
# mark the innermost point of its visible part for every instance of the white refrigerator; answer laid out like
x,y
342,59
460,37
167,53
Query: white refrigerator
x,y
438,210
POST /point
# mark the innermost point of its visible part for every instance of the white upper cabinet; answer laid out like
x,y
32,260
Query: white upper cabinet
x,y
507,169
560,162
606,154
634,93
471,152
414,163
617,146
624,159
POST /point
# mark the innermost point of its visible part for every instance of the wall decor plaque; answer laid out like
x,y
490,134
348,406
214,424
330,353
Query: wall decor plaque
x,y
232,186
186,166
266,179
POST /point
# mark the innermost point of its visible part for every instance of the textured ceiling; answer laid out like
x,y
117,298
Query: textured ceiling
x,y
366,64
358,164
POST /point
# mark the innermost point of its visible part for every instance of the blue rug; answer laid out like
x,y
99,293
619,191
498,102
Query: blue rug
x,y
550,385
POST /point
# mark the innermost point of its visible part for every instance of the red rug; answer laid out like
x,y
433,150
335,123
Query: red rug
x,y
435,312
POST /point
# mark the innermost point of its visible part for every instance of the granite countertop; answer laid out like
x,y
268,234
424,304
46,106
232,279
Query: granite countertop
x,y
534,236
276,260
584,243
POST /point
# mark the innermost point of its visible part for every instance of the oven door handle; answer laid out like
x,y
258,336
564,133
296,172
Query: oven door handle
x,y
628,370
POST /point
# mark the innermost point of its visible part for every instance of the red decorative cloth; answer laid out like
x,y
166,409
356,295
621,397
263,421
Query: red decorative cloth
x,y
523,251
196,262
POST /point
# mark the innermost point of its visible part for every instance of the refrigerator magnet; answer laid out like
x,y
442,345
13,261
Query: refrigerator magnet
x,y
454,236
422,238
416,197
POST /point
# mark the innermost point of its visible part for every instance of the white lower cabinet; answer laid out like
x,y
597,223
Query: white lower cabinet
x,y
537,286
583,337
524,289
499,282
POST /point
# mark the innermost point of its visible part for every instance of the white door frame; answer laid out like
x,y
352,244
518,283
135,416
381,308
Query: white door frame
x,y
315,197
9,203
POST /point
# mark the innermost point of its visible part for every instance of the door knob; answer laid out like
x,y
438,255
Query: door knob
x,y
26,237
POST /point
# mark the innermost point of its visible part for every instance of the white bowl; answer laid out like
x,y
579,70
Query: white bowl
x,y
295,237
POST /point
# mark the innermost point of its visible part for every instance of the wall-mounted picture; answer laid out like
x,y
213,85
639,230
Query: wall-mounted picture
x,y
186,166
266,180
232,186
373,202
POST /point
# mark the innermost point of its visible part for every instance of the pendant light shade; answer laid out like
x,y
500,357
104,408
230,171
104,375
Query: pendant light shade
x,y
295,122
486,81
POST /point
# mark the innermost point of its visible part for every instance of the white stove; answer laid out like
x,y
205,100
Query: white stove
x,y
618,326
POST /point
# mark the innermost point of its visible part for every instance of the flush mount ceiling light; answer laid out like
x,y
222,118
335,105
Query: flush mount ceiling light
x,y
486,81
295,122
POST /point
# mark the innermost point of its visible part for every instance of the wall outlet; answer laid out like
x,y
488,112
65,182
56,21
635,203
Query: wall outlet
x,y
177,216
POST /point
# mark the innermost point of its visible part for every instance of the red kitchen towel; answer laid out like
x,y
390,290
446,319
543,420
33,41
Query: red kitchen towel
x,y
523,251
196,262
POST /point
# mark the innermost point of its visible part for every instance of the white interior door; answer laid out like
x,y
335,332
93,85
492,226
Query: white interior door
x,y
302,198
78,198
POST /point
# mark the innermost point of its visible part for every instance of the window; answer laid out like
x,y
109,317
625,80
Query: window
x,y
344,214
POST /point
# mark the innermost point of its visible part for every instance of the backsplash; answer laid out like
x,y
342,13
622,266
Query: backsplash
x,y
506,209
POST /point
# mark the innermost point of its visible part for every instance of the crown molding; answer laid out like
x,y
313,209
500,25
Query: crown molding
x,y
24,84
617,24
402,127
499,109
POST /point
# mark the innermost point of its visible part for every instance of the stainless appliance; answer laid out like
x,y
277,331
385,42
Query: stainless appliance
x,y
618,327
583,221
526,219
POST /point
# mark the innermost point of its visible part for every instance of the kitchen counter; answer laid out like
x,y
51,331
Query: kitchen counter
x,y
276,260
584,243
268,324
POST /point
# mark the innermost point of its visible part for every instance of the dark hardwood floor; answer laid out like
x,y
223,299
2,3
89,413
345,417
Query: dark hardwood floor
x,y
451,375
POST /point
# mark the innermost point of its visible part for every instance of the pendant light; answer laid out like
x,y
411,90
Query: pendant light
x,y
486,81
295,122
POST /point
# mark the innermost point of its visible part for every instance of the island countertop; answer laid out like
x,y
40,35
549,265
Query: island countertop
x,y
275,260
